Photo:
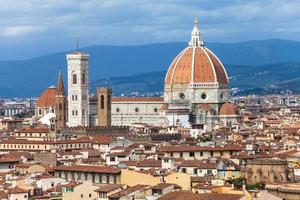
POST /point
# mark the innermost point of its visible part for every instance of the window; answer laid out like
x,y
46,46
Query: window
x,y
102,102
183,170
201,153
181,154
209,172
192,154
195,171
84,97
112,159
90,195
60,106
171,154
83,112
203,96
118,110
74,79
155,109
103,195
83,78
211,153
136,110
181,96
81,195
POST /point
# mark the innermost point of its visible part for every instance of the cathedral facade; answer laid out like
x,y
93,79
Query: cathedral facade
x,y
196,93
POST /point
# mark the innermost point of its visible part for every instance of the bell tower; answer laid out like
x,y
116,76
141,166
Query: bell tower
x,y
78,89
60,105
104,106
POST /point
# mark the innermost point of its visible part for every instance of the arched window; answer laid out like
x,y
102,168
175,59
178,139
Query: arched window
x,y
83,78
74,79
83,97
102,102
60,107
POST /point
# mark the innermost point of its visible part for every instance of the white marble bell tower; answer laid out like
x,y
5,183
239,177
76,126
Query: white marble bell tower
x,y
78,89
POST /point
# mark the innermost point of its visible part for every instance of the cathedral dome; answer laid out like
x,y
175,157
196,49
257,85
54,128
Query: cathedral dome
x,y
48,98
228,109
196,64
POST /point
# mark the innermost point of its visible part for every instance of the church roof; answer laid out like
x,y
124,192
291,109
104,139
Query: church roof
x,y
47,99
196,64
228,109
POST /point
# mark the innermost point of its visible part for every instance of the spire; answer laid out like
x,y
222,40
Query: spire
x,y
60,84
196,36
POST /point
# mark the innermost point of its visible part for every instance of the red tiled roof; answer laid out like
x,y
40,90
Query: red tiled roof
x,y
187,148
16,190
34,130
48,98
102,139
88,168
199,164
228,109
109,188
184,195
196,65
128,191
3,195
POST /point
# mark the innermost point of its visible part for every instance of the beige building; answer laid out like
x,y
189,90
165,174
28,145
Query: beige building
x,y
45,145
79,191
197,152
92,173
267,170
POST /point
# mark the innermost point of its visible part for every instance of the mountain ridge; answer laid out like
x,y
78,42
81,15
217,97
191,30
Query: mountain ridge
x,y
31,77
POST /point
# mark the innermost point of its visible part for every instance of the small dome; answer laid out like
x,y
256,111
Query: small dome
x,y
228,109
164,107
204,106
48,98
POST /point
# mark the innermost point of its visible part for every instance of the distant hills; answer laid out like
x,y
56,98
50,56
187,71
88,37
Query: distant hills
x,y
264,66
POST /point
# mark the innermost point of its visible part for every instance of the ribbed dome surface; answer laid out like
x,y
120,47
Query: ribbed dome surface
x,y
228,109
196,65
47,99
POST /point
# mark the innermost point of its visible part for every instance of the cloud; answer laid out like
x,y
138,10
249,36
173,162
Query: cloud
x,y
17,31
144,21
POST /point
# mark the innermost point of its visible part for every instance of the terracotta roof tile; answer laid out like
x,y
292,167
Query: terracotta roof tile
x,y
88,168
48,98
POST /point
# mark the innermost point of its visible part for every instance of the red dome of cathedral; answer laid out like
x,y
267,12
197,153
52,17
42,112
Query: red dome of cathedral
x,y
196,64
47,99
228,109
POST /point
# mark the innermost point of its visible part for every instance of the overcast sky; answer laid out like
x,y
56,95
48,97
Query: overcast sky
x,y
35,27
